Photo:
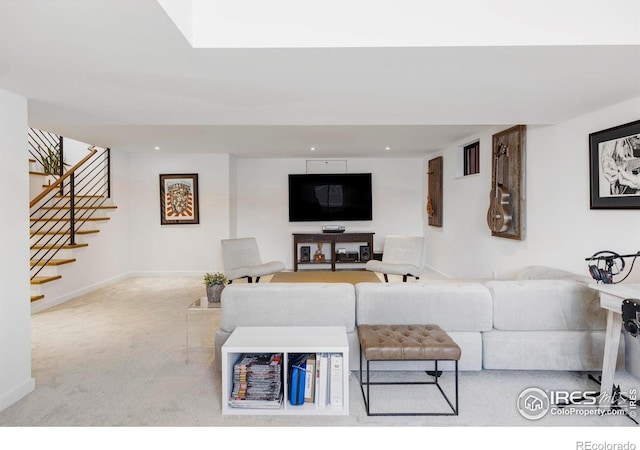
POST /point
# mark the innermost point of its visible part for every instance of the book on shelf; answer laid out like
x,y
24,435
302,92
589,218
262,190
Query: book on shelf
x,y
310,379
297,378
336,377
323,379
257,381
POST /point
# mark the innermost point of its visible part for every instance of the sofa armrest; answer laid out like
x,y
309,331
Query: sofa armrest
x,y
545,305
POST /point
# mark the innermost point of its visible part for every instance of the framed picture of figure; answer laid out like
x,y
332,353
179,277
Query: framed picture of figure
x,y
179,199
614,157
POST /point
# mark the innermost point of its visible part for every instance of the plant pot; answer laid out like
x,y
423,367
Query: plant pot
x,y
214,292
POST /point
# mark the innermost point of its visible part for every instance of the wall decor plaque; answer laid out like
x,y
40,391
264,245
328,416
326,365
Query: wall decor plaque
x,y
505,216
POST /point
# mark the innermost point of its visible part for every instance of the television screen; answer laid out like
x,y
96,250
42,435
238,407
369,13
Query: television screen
x,y
330,197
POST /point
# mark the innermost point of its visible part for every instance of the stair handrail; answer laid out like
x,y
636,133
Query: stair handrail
x,y
92,151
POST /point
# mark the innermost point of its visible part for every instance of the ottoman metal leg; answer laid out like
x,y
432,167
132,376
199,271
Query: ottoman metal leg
x,y
409,343
367,397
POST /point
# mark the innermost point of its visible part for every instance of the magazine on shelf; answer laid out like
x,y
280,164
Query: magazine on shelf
x,y
257,381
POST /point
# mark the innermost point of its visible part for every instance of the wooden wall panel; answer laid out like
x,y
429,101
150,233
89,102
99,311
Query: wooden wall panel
x,y
505,216
434,196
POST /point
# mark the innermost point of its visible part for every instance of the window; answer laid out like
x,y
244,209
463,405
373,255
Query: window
x,y
471,158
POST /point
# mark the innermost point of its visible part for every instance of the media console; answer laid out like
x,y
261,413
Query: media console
x,y
365,238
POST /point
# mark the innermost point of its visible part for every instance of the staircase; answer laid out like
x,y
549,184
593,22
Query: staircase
x,y
69,207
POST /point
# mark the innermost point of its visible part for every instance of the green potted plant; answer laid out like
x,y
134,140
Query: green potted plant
x,y
51,161
215,283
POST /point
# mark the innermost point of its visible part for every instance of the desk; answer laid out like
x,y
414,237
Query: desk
x,y
331,239
611,297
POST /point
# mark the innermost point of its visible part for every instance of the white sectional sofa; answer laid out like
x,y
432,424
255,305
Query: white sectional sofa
x,y
546,319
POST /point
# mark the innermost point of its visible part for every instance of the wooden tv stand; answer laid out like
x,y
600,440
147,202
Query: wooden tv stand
x,y
366,238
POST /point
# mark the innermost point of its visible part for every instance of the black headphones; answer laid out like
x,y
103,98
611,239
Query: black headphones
x,y
606,266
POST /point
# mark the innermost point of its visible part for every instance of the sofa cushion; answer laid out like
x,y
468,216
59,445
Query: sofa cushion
x,y
545,305
288,304
545,350
452,306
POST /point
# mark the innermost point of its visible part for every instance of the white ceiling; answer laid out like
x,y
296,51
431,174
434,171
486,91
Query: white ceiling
x,y
119,74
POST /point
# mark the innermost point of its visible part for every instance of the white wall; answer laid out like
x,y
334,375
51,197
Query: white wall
x,y
107,257
15,315
262,202
561,230
74,151
177,249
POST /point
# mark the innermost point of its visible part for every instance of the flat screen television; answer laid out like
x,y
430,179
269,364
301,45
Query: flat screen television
x,y
330,197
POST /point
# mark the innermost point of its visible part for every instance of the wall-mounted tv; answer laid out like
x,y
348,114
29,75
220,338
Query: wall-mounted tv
x,y
330,197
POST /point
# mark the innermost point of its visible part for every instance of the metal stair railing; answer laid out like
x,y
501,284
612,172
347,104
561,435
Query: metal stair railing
x,y
62,209
43,142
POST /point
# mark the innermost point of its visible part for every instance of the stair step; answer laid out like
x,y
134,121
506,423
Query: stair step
x,y
35,298
42,280
58,247
80,207
33,172
53,262
39,233
81,196
66,219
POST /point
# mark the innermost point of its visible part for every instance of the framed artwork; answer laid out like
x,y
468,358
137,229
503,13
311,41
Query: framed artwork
x,y
179,199
614,167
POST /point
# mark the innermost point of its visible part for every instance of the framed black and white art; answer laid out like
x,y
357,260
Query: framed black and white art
x,y
614,156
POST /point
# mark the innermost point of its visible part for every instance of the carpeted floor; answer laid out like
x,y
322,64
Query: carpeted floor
x,y
118,357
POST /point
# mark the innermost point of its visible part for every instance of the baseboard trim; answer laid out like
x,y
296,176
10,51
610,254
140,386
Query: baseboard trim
x,y
17,393
45,303
186,273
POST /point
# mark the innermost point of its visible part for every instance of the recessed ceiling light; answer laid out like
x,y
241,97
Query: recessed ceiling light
x,y
313,149
156,148
387,148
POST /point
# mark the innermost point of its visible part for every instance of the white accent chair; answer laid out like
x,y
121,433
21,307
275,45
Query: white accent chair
x,y
241,259
401,255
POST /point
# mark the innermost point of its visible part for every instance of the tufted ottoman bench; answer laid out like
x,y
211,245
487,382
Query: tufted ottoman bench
x,y
407,343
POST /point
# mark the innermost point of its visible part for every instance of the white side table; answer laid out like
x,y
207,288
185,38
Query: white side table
x,y
200,313
285,340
